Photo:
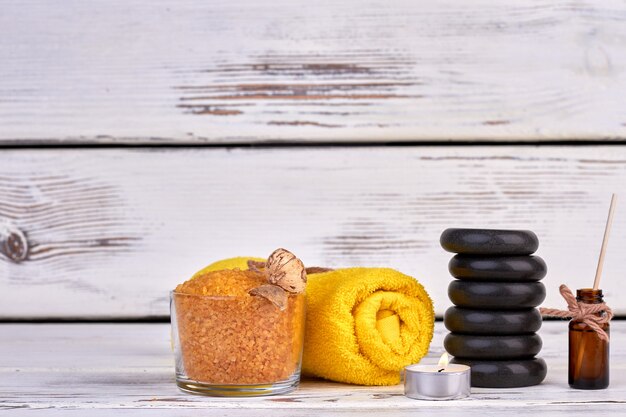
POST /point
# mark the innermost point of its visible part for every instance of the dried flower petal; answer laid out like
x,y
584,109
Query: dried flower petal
x,y
275,294
255,265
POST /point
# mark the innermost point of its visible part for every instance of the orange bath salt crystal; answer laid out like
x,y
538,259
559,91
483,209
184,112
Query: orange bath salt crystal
x,y
228,336
229,282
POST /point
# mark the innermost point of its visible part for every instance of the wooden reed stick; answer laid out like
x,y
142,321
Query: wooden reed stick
x,y
607,231
596,281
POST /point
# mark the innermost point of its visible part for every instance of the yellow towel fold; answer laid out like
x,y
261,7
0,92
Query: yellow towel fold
x,y
363,325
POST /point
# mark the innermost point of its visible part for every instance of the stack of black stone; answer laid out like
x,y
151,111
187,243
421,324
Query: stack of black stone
x,y
494,320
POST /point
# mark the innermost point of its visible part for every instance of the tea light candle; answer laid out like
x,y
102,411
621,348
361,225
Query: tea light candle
x,y
437,382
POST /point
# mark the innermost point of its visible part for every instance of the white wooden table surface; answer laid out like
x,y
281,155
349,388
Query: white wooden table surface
x,y
127,369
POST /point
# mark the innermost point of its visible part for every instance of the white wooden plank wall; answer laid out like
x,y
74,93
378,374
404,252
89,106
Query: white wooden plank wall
x,y
111,231
105,233
297,70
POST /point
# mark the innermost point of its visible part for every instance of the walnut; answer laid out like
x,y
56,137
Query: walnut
x,y
284,269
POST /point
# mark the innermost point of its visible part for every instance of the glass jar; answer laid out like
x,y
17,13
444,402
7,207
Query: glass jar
x,y
237,345
588,354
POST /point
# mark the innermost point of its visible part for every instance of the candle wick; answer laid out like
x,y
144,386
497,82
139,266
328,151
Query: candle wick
x,y
441,370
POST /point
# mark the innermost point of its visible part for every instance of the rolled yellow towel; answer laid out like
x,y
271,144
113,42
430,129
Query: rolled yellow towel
x,y
363,325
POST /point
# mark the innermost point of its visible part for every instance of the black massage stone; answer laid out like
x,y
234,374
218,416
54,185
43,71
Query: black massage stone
x,y
506,374
489,241
497,268
492,322
492,347
496,295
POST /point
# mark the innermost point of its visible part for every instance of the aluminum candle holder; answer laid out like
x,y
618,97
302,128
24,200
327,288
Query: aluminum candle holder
x,y
437,382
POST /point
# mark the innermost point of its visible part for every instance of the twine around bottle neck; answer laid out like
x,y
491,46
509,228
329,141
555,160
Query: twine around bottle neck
x,y
589,314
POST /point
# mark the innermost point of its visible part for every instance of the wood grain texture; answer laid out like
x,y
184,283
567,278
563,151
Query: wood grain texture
x,y
110,231
112,71
92,368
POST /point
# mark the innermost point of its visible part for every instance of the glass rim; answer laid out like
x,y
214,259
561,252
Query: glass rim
x,y
220,297
209,297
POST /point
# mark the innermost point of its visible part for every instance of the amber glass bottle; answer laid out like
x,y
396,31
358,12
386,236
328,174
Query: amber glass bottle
x,y
588,354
